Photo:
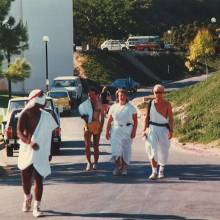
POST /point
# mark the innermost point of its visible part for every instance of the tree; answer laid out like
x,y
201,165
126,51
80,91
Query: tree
x,y
200,50
106,19
13,40
17,71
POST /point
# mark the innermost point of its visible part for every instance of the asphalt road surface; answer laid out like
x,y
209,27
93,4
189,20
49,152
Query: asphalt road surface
x,y
189,191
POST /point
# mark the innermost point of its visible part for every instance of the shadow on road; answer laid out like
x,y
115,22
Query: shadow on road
x,y
123,216
202,172
138,173
73,148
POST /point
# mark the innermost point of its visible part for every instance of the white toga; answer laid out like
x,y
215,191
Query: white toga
x,y
157,142
121,130
42,136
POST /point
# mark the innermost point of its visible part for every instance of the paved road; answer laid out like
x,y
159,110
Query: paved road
x,y
190,191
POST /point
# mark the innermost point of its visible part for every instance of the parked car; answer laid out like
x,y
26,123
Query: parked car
x,y
10,131
152,46
127,83
113,45
61,99
72,84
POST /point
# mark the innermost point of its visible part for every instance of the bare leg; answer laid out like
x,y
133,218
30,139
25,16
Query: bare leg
x,y
153,176
96,139
87,138
153,163
38,186
26,176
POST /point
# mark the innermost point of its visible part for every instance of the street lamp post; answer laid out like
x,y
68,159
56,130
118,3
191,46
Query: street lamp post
x,y
213,20
169,33
46,40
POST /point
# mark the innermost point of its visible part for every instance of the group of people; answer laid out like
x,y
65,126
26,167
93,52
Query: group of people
x,y
122,126
35,127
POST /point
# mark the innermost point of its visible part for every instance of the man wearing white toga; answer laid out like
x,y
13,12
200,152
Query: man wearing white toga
x,y
121,129
158,129
35,127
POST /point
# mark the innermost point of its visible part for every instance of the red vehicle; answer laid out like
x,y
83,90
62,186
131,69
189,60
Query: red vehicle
x,y
151,46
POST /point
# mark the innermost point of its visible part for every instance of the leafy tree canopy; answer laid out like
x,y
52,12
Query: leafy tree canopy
x,y
200,49
18,71
99,19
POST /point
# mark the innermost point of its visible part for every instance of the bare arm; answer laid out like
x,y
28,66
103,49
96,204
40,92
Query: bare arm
x,y
170,115
22,129
108,127
133,133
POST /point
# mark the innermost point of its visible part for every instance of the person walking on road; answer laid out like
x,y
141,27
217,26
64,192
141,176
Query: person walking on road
x,y
121,129
35,127
158,130
92,112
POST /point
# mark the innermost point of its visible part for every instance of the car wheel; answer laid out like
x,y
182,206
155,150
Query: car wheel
x,y
9,151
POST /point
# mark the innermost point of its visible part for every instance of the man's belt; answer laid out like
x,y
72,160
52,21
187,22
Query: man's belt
x,y
160,124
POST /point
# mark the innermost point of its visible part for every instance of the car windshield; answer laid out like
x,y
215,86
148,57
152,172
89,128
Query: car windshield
x,y
16,104
58,94
65,83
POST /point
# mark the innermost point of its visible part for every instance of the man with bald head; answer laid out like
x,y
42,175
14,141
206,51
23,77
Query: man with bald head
x,y
35,127
158,130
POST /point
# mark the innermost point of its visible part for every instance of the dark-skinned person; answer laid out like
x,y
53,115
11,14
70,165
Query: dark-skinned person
x,y
158,130
35,127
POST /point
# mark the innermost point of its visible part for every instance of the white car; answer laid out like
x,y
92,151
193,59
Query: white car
x,y
71,83
113,45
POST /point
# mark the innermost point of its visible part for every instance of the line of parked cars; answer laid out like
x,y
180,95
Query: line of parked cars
x,y
9,128
65,93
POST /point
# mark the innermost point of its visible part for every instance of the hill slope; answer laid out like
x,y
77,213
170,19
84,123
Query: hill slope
x,y
103,67
197,111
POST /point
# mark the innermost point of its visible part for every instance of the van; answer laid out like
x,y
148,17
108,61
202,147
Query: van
x,y
72,84
133,41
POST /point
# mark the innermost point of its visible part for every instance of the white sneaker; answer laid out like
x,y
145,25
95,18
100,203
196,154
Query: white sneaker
x,y
124,172
153,176
88,167
116,172
37,212
27,204
94,166
161,175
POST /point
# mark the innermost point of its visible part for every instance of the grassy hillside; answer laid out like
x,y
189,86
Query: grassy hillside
x,y
103,67
197,111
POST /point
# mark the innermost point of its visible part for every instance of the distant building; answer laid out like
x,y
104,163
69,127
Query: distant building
x,y
53,18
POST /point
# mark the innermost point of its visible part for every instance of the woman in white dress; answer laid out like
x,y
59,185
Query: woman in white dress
x,y
158,130
121,129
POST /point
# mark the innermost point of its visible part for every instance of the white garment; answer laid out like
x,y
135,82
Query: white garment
x,y
121,133
42,136
85,108
157,142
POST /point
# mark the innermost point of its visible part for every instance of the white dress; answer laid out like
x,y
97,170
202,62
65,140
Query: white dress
x,y
42,136
157,142
121,130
